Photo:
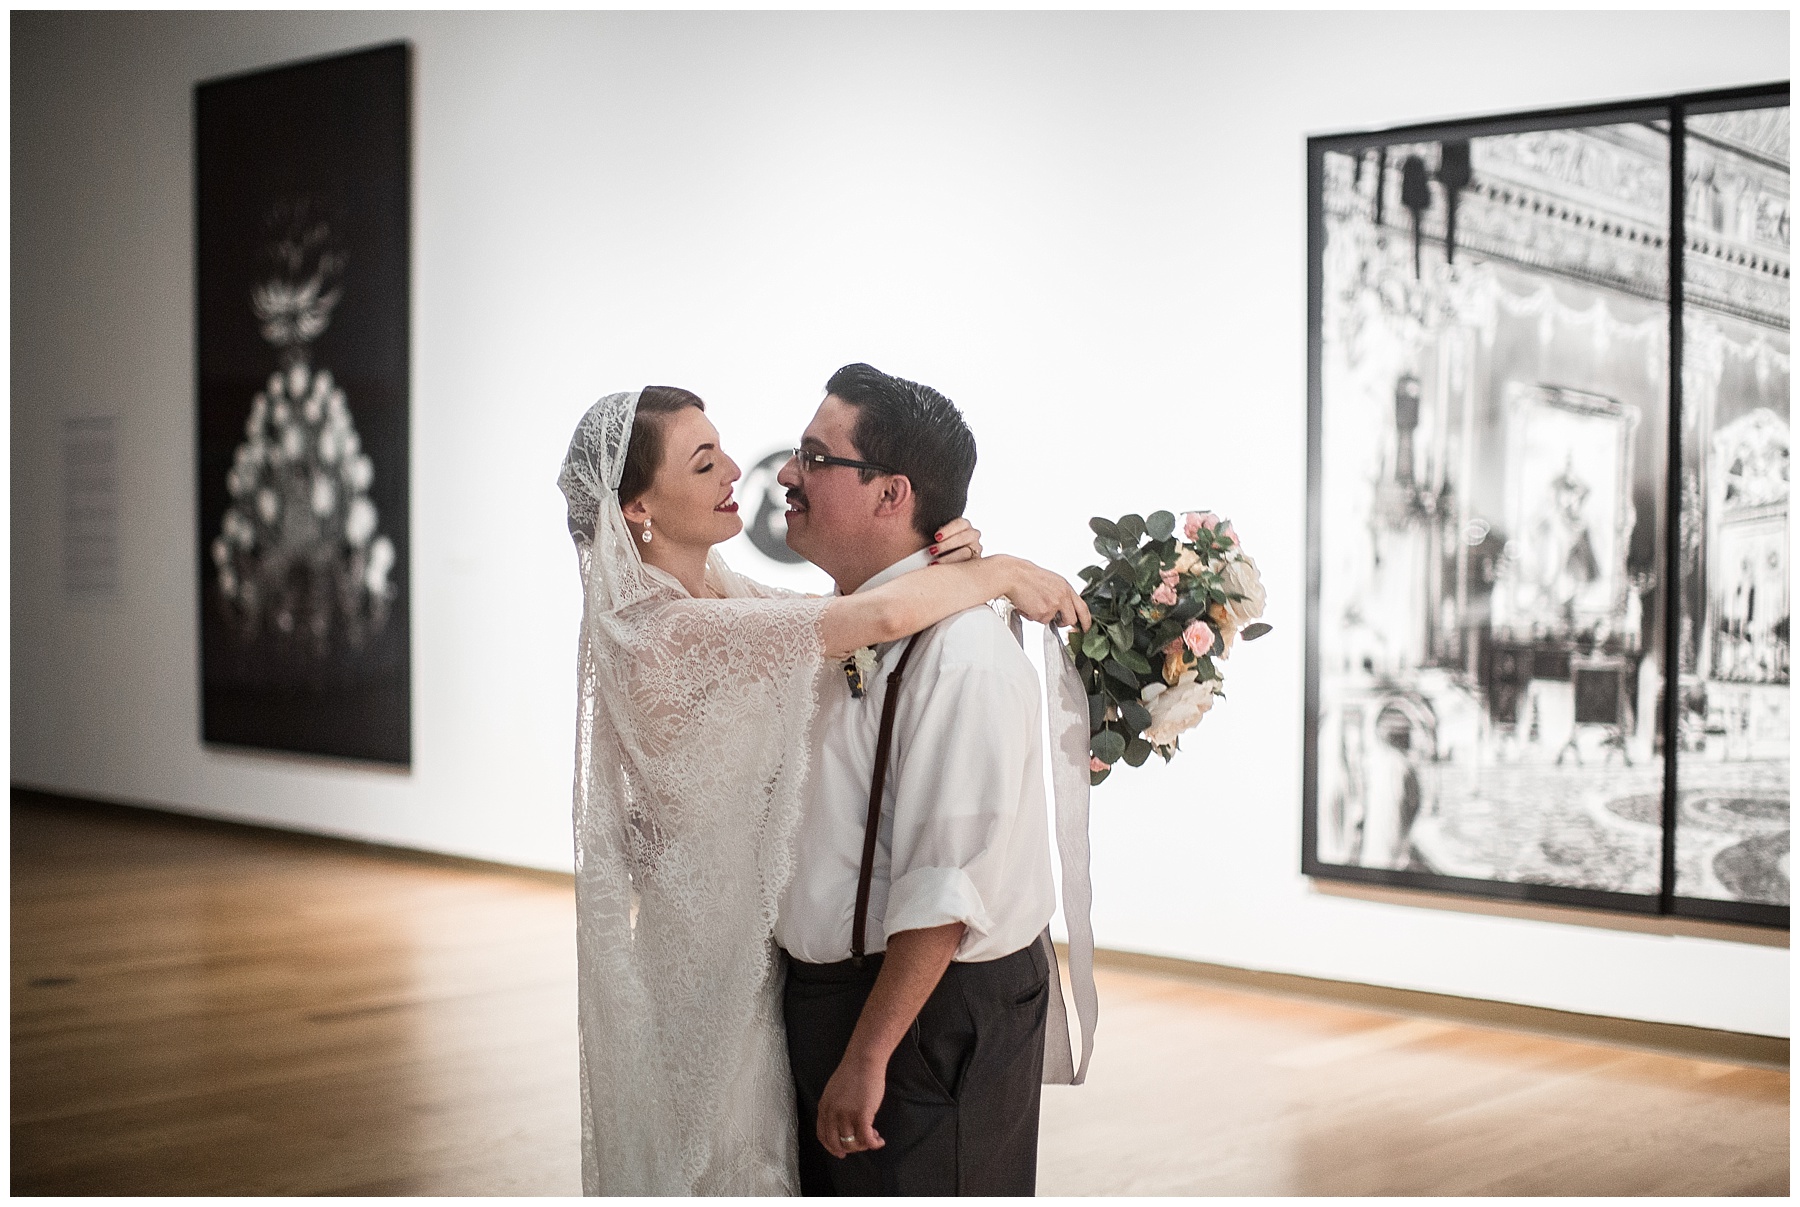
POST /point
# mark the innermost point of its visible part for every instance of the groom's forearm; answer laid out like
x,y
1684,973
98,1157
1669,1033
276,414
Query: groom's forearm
x,y
911,968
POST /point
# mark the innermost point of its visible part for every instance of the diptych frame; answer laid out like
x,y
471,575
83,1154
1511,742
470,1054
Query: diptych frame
x,y
1607,689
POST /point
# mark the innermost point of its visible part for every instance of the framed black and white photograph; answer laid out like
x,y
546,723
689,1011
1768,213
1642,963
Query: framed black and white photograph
x,y
1731,768
303,235
1510,319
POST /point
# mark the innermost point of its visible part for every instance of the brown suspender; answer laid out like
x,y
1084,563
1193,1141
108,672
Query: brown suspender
x,y
883,745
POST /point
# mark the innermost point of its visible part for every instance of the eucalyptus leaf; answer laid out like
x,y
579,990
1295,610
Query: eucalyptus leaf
x,y
1108,745
1104,527
1160,525
1097,712
1122,673
1094,643
1096,778
1136,661
1089,574
1135,715
1131,530
1253,631
1136,751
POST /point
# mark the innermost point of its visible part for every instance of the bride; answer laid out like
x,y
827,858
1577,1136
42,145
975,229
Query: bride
x,y
696,698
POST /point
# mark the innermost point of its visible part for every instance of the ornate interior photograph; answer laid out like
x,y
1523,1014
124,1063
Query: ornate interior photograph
x,y
1493,519
303,227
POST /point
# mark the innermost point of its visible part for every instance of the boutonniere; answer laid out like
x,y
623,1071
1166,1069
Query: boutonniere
x,y
859,667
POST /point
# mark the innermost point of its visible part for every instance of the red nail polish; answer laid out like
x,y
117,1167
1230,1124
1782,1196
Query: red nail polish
x,y
934,550
938,537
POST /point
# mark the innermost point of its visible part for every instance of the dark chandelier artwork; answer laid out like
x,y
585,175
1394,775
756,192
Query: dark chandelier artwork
x,y
1548,655
303,235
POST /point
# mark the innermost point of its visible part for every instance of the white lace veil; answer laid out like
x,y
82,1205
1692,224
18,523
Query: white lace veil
x,y
590,479
693,738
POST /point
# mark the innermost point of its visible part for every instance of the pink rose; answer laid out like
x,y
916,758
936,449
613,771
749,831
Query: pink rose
x,y
1170,577
1094,764
1194,521
1198,637
1165,595
1231,532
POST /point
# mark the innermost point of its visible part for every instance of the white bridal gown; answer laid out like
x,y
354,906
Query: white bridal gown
x,y
693,738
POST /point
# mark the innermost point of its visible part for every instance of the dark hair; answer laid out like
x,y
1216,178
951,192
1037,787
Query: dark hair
x,y
644,453
913,430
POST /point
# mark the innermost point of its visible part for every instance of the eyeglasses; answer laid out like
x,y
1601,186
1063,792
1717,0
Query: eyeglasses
x,y
811,460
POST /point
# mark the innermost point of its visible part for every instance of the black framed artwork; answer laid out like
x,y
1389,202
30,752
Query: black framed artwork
x,y
1547,522
303,237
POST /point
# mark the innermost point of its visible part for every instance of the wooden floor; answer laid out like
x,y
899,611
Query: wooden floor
x,y
208,1010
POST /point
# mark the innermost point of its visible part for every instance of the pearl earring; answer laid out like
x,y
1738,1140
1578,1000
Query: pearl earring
x,y
646,530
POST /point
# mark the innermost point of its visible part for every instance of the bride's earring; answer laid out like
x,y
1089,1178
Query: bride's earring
x,y
646,530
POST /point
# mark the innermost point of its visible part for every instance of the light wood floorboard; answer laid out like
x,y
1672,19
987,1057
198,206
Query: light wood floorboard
x,y
202,1009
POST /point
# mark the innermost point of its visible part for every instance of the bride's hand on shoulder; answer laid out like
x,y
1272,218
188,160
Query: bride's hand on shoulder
x,y
1044,596
957,541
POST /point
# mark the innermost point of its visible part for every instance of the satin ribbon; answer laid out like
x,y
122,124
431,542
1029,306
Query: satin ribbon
x,y
1068,713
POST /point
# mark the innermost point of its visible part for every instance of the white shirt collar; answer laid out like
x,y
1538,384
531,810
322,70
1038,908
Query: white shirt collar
x,y
907,564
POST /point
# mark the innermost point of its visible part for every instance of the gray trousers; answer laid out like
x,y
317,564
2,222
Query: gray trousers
x,y
960,1115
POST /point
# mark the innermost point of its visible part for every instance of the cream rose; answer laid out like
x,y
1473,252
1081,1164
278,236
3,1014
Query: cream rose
x,y
1242,578
1174,712
1186,562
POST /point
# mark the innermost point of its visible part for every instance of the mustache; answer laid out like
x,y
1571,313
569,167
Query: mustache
x,y
796,496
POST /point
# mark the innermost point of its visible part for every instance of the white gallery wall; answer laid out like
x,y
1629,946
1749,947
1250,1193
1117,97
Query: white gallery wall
x,y
1088,229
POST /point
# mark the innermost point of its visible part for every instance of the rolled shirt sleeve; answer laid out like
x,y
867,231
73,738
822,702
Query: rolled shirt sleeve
x,y
969,841
926,897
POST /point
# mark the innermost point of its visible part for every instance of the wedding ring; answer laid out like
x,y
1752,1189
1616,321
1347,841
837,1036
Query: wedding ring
x,y
846,1139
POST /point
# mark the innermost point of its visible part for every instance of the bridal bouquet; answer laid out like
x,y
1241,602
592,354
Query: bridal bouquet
x,y
1167,607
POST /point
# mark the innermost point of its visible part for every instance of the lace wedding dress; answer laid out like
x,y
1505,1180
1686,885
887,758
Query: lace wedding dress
x,y
693,738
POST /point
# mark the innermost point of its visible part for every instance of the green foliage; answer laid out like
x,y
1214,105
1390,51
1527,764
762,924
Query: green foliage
x,y
1135,662
1135,715
1094,643
1121,672
1108,745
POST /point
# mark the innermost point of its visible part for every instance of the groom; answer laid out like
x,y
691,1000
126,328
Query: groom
x,y
918,1067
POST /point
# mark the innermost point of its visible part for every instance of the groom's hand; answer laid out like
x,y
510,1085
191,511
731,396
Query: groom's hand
x,y
911,968
848,1105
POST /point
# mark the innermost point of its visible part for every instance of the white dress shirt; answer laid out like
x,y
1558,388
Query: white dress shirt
x,y
964,835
